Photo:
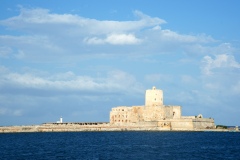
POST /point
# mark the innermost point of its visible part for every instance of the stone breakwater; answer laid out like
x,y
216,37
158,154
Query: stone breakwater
x,y
79,127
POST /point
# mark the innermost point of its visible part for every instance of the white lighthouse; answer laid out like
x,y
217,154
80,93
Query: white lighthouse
x,y
61,120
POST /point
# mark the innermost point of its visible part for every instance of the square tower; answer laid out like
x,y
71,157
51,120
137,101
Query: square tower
x,y
153,97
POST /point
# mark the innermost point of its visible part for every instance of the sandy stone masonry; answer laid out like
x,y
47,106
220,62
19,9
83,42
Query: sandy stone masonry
x,y
153,116
166,116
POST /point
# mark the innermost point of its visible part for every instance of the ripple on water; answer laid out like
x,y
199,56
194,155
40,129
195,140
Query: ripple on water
x,y
120,145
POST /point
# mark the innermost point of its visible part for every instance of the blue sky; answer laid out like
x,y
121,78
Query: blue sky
x,y
78,59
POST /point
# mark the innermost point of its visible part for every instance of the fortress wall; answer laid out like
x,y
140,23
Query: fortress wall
x,y
164,124
120,114
123,115
182,124
153,113
152,124
78,127
192,124
203,123
107,127
137,114
188,117
173,112
168,112
177,112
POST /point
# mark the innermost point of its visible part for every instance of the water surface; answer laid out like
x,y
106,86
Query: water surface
x,y
120,145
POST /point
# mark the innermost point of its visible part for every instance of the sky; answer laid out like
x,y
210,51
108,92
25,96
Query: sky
x,y
79,59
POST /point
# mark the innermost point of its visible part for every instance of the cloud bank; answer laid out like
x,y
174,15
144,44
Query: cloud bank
x,y
77,67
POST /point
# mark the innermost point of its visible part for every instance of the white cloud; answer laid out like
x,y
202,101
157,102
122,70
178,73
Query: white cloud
x,y
122,39
123,81
30,44
12,112
220,75
115,82
5,51
48,34
115,39
220,62
54,61
32,18
169,35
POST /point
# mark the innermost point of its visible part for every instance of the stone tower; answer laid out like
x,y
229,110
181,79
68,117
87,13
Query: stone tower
x,y
153,97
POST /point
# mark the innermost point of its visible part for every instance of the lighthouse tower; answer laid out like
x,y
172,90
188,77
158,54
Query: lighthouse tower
x,y
153,97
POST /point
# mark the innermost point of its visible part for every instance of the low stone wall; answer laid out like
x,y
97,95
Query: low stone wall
x,y
78,128
14,129
182,124
203,123
173,125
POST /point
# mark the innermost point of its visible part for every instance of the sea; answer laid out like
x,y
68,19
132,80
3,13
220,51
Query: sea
x,y
120,145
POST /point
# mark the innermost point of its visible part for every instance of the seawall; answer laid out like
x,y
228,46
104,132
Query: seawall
x,y
79,127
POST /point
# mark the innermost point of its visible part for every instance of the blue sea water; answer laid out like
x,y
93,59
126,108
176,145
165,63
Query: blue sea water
x,y
120,145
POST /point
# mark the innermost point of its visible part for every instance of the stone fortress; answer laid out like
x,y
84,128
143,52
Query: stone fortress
x,y
153,116
155,113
